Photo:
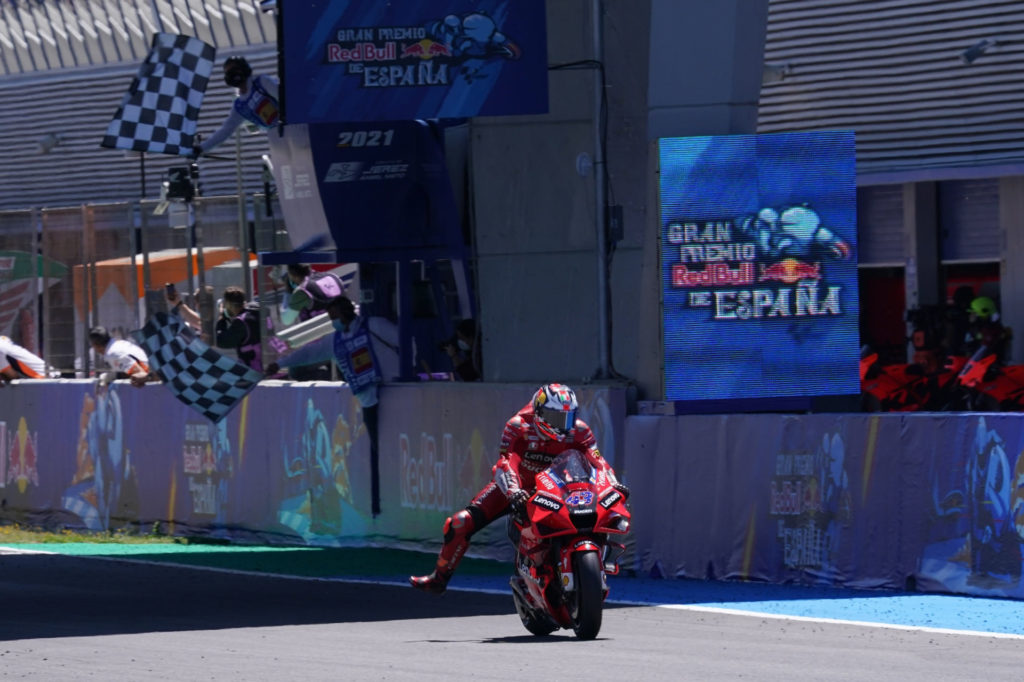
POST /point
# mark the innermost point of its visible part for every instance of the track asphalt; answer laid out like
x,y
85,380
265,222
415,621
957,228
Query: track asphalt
x,y
904,610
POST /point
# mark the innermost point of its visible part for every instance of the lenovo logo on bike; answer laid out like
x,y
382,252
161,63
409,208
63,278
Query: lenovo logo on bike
x,y
547,502
610,499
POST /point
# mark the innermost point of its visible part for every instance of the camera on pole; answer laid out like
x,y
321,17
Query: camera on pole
x,y
179,186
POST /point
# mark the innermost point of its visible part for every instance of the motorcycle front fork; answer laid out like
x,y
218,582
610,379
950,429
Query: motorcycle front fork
x,y
568,579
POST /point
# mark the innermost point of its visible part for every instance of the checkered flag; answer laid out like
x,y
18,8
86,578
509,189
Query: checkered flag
x,y
196,374
160,111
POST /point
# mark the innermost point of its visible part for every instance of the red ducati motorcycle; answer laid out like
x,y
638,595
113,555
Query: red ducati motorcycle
x,y
908,387
990,386
564,548
886,388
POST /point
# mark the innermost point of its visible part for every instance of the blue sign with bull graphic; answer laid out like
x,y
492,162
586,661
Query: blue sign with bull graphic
x,y
365,60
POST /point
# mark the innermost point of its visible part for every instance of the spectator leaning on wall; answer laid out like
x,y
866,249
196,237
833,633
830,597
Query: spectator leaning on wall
x,y
125,358
19,363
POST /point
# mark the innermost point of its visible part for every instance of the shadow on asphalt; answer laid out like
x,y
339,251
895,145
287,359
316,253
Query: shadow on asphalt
x,y
47,596
397,565
556,637
55,595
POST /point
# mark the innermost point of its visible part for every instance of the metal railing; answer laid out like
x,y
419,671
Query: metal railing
x,y
66,270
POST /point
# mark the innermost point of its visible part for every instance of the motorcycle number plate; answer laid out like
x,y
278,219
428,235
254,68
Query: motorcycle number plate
x,y
580,498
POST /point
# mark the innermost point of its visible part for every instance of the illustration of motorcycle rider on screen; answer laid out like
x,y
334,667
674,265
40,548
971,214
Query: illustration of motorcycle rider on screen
x,y
473,35
793,232
472,39
792,242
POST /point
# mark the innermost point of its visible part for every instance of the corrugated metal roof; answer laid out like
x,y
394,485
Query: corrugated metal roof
x,y
42,35
892,71
69,93
77,107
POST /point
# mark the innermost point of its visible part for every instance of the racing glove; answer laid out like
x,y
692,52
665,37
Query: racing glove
x,y
623,489
517,504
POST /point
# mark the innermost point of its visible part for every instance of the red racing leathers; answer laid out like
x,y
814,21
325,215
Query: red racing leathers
x,y
522,455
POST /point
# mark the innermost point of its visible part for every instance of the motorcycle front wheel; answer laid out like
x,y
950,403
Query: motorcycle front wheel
x,y
588,598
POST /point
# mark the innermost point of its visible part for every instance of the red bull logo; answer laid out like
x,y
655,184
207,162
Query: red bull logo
x,y
361,52
425,49
790,270
713,274
21,451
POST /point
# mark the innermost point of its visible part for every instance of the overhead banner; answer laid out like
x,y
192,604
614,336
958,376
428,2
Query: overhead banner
x,y
759,270
379,191
366,60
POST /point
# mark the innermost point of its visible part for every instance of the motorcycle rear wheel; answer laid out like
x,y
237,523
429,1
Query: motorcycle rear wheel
x,y
536,623
588,597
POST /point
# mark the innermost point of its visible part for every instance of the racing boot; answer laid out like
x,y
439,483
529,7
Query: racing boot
x,y
435,583
457,530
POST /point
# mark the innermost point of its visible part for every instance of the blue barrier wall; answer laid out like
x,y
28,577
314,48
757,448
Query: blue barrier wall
x,y
289,464
844,499
934,501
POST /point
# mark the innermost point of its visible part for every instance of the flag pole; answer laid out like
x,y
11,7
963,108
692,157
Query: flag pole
x,y
243,227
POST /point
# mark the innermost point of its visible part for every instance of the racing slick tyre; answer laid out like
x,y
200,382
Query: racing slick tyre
x,y
587,602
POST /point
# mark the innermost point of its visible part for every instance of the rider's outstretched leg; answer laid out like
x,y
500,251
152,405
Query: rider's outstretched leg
x,y
458,529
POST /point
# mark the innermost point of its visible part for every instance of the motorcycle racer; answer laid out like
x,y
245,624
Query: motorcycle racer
x,y
532,438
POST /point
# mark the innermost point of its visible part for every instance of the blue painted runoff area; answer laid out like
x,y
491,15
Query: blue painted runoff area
x,y
911,610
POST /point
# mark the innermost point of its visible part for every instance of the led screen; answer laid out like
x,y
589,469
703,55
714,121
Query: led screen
x,y
759,270
370,60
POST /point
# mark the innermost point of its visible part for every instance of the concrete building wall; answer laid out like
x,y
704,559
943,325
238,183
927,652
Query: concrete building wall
x,y
672,68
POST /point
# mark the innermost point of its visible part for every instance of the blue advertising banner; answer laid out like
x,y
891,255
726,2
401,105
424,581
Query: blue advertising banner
x,y
879,501
290,463
366,60
371,191
759,270
385,187
935,501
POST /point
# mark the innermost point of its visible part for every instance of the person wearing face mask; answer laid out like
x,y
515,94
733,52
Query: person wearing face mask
x,y
310,292
238,327
365,349
256,103
464,351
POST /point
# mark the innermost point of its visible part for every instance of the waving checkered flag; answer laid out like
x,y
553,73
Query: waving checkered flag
x,y
196,374
161,108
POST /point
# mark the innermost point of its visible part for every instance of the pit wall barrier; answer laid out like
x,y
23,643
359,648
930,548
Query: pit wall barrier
x,y
928,501
932,501
290,464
